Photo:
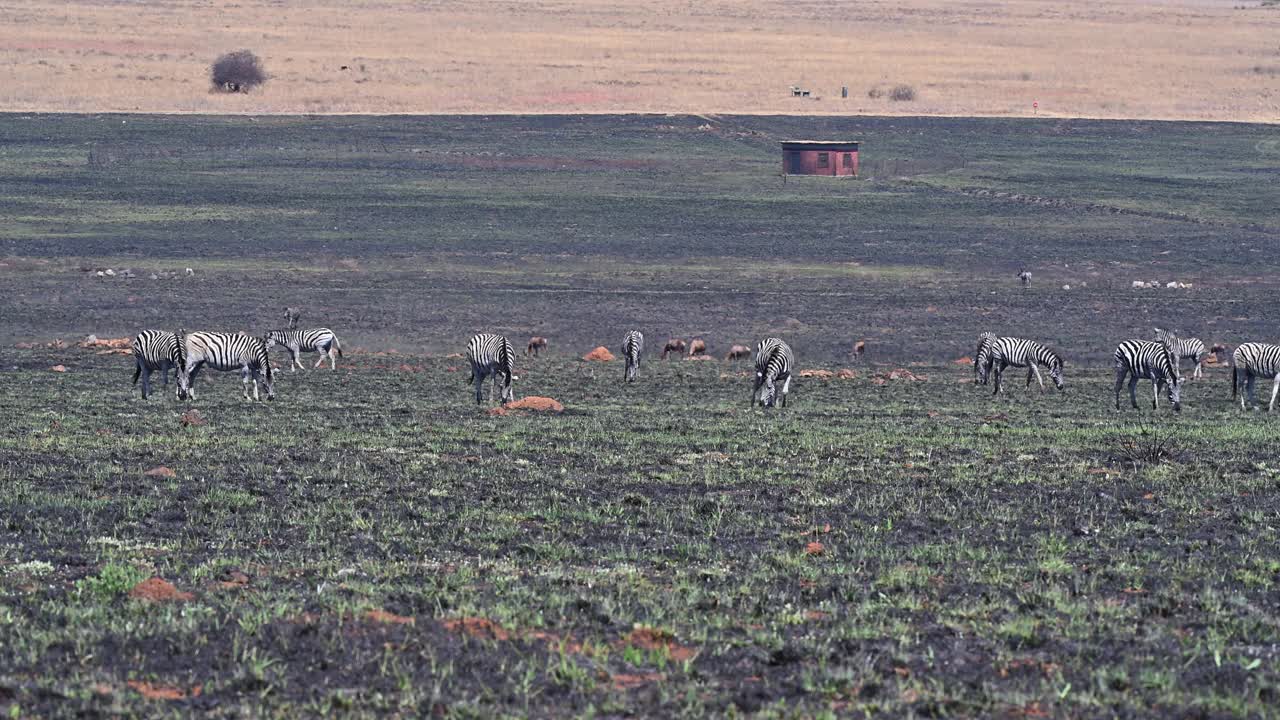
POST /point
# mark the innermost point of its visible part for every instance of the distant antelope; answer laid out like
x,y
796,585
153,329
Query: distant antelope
x,y
291,316
859,348
674,345
697,347
738,352
537,343
1025,277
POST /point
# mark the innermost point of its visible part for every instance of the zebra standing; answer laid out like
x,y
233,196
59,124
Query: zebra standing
x,y
982,357
1255,360
321,340
632,347
1153,360
1029,354
494,355
227,352
157,350
774,361
1186,349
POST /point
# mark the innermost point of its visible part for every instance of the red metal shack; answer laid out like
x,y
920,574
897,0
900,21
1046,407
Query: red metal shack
x,y
820,157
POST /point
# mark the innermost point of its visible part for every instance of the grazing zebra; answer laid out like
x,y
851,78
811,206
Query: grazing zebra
x,y
321,340
774,361
1186,349
1152,360
982,357
491,355
1029,354
632,347
157,350
1255,360
227,352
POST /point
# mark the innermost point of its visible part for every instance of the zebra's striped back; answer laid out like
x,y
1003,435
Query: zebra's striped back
x,y
157,350
982,357
632,348
491,354
301,340
1260,359
774,362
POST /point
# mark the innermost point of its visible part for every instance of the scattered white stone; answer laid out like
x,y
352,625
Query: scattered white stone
x,y
1066,287
190,272
100,274
1171,285
154,276
1139,284
109,272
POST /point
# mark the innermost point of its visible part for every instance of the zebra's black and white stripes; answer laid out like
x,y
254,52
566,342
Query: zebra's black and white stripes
x,y
1155,361
1029,354
494,355
1186,348
982,357
321,340
774,362
632,348
157,350
227,352
1254,360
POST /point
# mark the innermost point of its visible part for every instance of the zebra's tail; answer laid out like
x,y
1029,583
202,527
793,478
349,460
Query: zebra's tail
x,y
137,371
1234,384
337,345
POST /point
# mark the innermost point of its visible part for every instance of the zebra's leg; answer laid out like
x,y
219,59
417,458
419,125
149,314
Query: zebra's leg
x,y
333,356
164,373
755,392
146,382
244,381
479,375
786,388
1248,385
1156,387
319,360
1120,374
999,371
1196,372
1133,390
1036,369
1275,388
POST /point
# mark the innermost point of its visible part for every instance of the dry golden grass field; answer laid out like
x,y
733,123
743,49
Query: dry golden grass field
x,y
1191,59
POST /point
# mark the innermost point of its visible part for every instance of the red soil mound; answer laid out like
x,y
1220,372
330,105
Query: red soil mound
x,y
537,404
158,590
600,354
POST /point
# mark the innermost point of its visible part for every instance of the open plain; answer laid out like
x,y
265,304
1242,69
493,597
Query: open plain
x,y
372,543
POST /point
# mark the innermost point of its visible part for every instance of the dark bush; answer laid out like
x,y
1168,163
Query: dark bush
x,y
875,93
901,93
237,72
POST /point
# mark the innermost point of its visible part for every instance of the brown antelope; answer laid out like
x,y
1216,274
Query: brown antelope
x,y
537,343
674,345
697,347
859,348
738,352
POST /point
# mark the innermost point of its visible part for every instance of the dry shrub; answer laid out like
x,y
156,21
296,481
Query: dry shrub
x,y
902,93
237,71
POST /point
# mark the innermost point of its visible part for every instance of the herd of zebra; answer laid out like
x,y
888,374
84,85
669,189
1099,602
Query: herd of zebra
x,y
491,355
1155,360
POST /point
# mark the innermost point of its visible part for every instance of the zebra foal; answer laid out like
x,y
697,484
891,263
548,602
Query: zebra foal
x,y
157,350
1156,361
632,348
1255,360
321,340
227,352
1186,349
774,362
1022,353
490,354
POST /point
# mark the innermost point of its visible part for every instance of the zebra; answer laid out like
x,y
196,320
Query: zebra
x,y
320,340
157,350
1029,354
632,348
1187,349
494,355
982,357
774,361
1155,361
1255,360
226,352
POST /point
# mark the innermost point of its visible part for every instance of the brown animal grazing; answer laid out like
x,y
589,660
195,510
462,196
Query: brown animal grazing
x,y
697,347
859,348
537,343
291,316
674,345
738,352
